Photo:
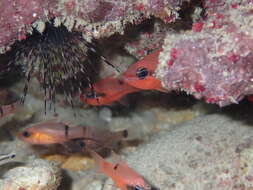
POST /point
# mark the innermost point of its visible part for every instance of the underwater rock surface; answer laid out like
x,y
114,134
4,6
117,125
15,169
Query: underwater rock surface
x,y
212,61
209,152
93,18
39,175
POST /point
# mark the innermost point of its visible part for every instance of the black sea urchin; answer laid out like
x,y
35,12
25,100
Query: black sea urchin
x,y
61,60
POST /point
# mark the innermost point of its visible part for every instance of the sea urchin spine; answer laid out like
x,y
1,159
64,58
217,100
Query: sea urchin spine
x,y
61,60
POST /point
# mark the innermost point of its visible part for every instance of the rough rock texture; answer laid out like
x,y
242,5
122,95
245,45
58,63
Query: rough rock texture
x,y
210,152
39,175
93,18
214,60
147,41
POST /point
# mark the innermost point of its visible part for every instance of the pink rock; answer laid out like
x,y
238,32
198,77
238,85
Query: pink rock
x,y
96,19
215,63
16,17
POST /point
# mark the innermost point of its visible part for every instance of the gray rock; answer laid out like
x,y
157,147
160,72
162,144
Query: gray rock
x,y
39,175
210,152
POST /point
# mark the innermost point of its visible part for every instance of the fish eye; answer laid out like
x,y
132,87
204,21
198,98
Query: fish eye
x,y
81,144
137,187
13,156
142,72
26,134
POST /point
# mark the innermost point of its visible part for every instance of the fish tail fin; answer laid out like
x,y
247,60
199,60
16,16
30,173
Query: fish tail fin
x,y
125,133
116,138
122,134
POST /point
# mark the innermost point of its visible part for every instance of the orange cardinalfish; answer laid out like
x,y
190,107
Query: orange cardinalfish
x,y
122,175
47,133
50,133
141,74
106,91
95,141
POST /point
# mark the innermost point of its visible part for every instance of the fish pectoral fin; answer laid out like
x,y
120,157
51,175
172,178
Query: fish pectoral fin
x,y
74,145
68,147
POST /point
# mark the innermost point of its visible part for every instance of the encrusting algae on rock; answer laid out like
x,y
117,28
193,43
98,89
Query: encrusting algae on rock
x,y
39,175
210,58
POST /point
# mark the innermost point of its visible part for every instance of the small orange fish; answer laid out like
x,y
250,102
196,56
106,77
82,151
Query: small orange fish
x,y
106,91
50,133
59,133
122,175
141,74
95,141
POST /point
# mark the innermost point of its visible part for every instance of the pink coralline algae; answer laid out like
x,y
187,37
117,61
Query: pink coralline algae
x,y
95,19
15,19
147,41
214,60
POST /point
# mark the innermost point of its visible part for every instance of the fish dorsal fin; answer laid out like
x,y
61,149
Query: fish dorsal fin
x,y
117,160
51,119
56,119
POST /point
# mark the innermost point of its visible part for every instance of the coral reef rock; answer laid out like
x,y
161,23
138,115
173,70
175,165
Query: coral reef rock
x,y
39,175
94,18
214,60
209,152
